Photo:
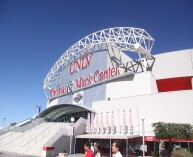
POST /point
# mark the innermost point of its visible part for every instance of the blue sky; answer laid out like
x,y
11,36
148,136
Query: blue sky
x,y
35,33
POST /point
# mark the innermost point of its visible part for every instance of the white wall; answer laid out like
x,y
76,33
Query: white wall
x,y
162,107
173,64
138,84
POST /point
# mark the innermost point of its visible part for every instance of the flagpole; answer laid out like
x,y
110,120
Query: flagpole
x,y
38,107
38,111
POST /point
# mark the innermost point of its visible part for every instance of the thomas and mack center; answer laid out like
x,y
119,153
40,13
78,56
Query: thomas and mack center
x,y
108,86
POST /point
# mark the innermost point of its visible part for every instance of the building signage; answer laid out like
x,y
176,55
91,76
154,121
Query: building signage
x,y
78,98
97,77
80,64
82,82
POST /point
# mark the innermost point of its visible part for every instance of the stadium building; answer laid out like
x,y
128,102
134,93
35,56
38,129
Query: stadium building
x,y
109,86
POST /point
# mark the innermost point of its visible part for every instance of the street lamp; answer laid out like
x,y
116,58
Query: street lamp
x,y
71,133
72,119
143,119
188,136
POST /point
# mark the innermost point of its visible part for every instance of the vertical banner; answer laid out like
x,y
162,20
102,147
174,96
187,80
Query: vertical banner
x,y
88,123
101,124
96,126
130,122
92,123
101,120
107,120
112,119
124,127
112,123
107,123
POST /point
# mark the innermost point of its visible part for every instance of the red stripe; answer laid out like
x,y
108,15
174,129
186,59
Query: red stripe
x,y
174,84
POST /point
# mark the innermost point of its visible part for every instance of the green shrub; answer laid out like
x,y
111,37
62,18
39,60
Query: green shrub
x,y
181,153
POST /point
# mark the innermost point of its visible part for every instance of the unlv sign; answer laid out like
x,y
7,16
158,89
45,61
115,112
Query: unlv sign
x,y
80,64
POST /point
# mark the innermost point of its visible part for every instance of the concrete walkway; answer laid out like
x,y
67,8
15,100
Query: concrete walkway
x,y
21,155
14,155
74,155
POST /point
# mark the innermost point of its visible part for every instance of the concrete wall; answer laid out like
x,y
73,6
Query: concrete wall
x,y
63,144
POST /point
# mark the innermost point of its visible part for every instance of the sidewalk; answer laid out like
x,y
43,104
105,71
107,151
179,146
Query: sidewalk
x,y
76,155
20,155
14,155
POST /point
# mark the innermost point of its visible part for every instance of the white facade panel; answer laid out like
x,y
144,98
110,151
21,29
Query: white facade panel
x,y
173,64
138,84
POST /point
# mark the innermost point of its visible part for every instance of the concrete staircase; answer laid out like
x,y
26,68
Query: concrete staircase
x,y
31,141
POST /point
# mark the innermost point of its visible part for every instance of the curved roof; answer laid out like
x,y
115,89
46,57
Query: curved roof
x,y
124,38
57,111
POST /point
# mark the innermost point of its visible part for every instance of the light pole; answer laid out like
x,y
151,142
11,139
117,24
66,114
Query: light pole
x,y
188,135
4,121
71,133
143,119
